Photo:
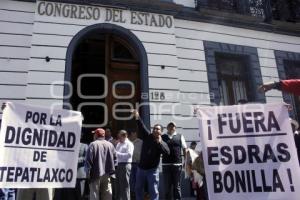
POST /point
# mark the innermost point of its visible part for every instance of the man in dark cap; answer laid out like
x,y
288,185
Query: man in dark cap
x,y
100,163
172,164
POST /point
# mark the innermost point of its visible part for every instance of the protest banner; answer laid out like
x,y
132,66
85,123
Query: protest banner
x,y
249,152
39,147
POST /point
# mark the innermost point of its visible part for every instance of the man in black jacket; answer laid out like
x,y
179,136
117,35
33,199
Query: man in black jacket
x,y
153,147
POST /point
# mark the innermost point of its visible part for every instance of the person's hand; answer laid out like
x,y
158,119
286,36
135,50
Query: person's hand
x,y
135,113
3,106
266,87
158,139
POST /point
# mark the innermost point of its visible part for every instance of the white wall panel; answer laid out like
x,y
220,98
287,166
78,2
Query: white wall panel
x,y
14,52
45,77
163,83
13,78
45,91
14,28
7,64
230,30
11,92
189,43
192,64
193,75
17,5
14,16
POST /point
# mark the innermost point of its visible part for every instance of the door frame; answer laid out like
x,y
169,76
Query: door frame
x,y
124,34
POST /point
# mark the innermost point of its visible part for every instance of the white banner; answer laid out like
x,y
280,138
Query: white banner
x,y
249,152
39,147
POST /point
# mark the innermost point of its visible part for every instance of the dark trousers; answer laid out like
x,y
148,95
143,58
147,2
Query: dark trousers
x,y
172,175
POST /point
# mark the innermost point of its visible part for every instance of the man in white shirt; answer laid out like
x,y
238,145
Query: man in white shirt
x,y
172,164
124,150
137,143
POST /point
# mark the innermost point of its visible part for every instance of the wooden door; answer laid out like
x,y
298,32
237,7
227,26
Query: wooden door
x,y
125,95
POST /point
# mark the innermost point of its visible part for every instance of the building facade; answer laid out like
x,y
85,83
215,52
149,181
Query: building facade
x,y
164,57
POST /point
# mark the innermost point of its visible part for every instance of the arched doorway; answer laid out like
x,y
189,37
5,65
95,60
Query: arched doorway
x,y
107,68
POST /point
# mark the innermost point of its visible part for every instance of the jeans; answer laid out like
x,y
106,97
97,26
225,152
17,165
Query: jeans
x,y
151,176
133,176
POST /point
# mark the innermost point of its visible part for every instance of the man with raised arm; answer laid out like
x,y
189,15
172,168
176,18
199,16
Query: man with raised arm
x,y
152,149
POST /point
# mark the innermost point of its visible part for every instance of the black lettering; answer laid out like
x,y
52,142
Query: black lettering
x,y
61,140
253,153
2,169
10,174
96,13
259,119
52,138
10,134
211,155
28,116
140,21
39,179
69,175
89,12
122,20
81,12
248,181
217,180
146,18
40,11
228,182
71,140
285,154
277,184
247,122
43,118
240,181
54,176
266,188
25,176
153,21
73,11
26,136
239,154
108,15
169,22
221,122
66,10
226,158
36,156
49,9
161,20
47,175
268,154
272,122
233,129
33,171
256,188
133,18
18,173
57,10
61,177
37,137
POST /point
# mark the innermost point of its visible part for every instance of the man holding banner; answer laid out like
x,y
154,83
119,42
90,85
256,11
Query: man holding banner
x,y
40,147
249,152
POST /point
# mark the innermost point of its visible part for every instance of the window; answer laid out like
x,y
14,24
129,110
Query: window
x,y
232,79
